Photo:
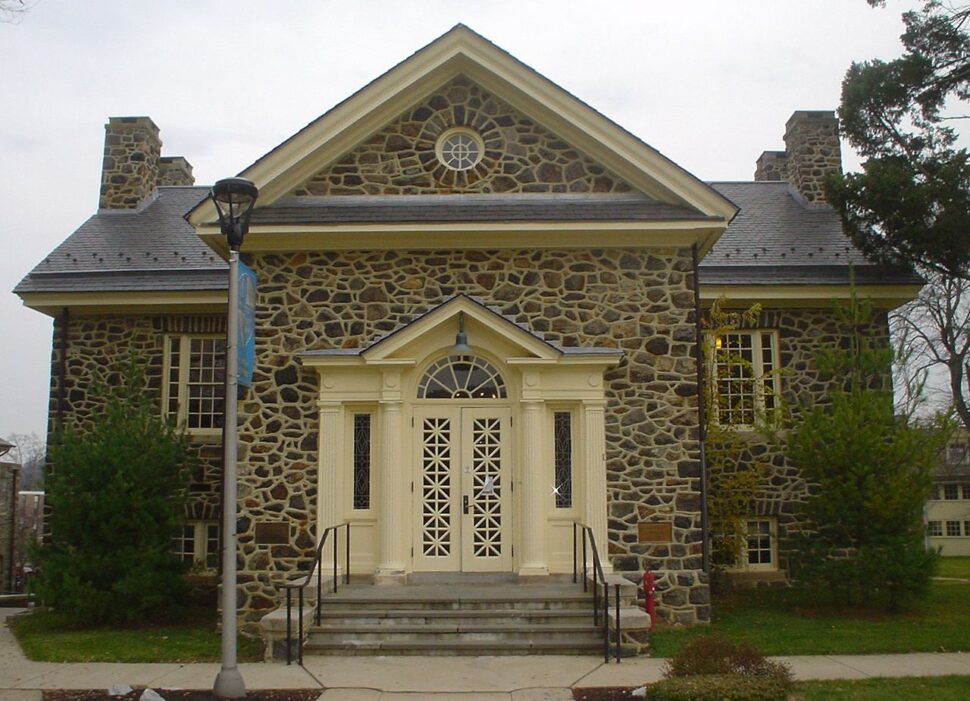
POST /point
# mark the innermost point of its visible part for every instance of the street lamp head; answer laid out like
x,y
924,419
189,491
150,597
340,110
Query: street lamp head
x,y
234,199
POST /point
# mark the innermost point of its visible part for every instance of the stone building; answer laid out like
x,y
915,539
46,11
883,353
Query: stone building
x,y
463,189
9,484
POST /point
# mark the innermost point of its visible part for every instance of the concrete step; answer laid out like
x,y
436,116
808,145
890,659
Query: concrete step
x,y
457,647
508,631
466,617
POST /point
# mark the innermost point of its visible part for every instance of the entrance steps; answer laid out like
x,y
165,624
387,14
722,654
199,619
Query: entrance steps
x,y
497,618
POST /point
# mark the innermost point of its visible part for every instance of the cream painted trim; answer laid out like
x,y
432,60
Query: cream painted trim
x,y
883,296
450,309
465,235
462,52
51,303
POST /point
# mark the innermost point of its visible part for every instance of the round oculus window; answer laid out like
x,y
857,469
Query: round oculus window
x,y
460,149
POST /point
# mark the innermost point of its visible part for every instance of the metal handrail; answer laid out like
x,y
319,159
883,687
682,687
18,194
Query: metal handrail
x,y
598,578
301,585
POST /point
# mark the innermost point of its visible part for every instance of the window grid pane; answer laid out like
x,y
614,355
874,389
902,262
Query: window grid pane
x,y
564,459
211,546
462,377
735,379
184,544
935,528
951,490
205,385
759,543
953,528
362,461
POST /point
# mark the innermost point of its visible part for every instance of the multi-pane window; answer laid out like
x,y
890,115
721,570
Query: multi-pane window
x,y
951,490
563,451
953,528
934,528
198,543
196,381
759,548
743,373
362,448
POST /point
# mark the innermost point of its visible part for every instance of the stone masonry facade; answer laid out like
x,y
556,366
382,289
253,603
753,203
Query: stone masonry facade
x,y
98,351
519,156
639,301
802,334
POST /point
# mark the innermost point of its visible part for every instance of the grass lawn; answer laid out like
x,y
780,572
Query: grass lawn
x,y
779,622
45,636
955,688
954,567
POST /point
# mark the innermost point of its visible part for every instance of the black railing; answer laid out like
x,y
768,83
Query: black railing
x,y
598,579
300,585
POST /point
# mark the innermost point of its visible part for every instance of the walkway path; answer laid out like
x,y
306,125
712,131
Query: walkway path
x,y
546,678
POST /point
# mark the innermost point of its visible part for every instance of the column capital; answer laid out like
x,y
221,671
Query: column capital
x,y
328,406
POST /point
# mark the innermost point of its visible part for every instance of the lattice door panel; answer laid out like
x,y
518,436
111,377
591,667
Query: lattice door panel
x,y
486,510
486,534
437,528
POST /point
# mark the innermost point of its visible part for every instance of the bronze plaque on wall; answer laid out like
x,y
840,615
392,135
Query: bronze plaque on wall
x,y
272,534
656,532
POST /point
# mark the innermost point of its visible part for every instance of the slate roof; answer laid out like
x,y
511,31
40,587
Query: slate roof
x,y
151,248
774,239
469,208
777,238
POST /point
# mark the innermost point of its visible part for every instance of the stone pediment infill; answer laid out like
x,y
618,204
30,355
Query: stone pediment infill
x,y
520,155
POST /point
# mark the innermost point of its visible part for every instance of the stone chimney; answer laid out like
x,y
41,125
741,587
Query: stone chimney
x,y
814,152
771,165
174,170
130,168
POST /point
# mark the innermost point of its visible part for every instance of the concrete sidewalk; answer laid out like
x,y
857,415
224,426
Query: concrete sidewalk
x,y
545,678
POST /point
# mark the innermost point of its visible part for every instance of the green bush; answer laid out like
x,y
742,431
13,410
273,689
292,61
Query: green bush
x,y
117,493
712,655
718,687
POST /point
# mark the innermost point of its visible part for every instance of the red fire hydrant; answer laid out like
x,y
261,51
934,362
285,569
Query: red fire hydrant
x,y
650,598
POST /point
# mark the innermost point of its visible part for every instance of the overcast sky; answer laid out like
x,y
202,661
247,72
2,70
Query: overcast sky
x,y
709,83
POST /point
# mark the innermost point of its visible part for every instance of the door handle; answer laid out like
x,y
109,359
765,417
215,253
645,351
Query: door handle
x,y
464,504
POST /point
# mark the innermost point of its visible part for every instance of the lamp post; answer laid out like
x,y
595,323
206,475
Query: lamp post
x,y
234,199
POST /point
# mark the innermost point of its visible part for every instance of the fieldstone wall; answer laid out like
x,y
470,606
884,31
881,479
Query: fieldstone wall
x,y
636,300
771,165
802,333
520,156
175,170
98,351
814,152
129,170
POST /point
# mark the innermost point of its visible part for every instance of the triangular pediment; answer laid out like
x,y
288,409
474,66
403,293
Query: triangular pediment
x,y
443,321
518,155
586,142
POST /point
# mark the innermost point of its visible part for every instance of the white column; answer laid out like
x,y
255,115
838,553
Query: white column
x,y
533,502
390,569
594,438
328,442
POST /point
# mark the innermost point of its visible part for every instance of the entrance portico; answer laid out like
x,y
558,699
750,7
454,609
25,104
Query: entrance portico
x,y
470,462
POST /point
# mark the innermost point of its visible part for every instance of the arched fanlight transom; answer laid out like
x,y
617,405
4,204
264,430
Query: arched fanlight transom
x,y
462,377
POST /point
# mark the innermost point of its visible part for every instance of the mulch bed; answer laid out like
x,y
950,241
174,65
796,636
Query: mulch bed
x,y
180,695
606,693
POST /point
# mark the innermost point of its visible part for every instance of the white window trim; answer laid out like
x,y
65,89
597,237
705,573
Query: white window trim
x,y
182,417
758,369
352,412
200,544
743,565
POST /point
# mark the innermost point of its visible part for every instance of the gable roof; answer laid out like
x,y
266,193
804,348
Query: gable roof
x,y
461,51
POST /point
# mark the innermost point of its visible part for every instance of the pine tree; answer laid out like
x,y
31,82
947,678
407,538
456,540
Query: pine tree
x,y
117,494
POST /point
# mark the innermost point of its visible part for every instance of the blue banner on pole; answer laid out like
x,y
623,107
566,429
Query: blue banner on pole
x,y
246,342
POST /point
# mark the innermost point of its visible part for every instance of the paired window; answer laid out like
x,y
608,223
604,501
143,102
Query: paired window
x,y
195,381
948,529
198,544
950,491
743,374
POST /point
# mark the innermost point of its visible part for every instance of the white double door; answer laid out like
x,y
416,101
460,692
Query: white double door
x,y
462,489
